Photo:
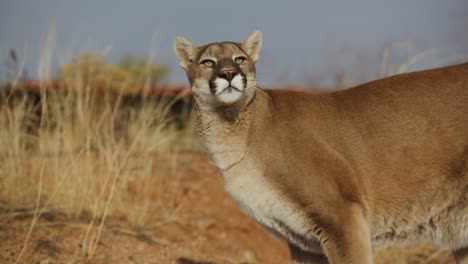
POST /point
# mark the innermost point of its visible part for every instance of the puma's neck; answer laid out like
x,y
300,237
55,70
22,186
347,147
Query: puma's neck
x,y
225,130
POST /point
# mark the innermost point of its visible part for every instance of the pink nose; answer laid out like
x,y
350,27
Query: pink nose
x,y
227,74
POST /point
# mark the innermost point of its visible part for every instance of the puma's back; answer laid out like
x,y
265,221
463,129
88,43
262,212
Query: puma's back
x,y
337,174
417,119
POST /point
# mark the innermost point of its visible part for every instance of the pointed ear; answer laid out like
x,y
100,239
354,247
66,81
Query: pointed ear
x,y
252,44
185,50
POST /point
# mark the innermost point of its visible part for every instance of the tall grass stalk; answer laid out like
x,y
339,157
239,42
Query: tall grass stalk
x,y
87,154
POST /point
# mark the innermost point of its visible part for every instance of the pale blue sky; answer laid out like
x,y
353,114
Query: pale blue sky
x,y
300,37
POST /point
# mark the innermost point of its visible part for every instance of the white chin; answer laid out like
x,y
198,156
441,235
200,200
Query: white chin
x,y
226,94
229,95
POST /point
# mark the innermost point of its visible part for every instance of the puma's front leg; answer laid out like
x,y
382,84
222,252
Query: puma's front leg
x,y
461,255
348,238
300,256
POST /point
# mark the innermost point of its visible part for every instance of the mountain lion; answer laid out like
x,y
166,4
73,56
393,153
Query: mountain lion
x,y
337,174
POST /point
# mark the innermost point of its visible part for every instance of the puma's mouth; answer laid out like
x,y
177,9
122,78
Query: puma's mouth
x,y
229,91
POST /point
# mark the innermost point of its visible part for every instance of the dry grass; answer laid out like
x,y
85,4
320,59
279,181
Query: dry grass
x,y
89,145
87,154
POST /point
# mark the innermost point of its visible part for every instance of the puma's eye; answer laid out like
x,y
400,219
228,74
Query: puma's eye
x,y
208,63
239,60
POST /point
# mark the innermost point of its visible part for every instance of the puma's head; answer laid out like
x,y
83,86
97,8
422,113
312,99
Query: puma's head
x,y
223,73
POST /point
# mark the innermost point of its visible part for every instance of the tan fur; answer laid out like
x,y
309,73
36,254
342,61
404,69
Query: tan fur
x,y
336,175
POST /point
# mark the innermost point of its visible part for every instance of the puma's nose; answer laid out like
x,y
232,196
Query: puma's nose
x,y
227,74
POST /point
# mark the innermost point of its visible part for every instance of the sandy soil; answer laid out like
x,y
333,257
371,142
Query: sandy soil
x,y
207,228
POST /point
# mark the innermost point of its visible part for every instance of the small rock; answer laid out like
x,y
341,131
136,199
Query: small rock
x,y
205,222
140,247
249,256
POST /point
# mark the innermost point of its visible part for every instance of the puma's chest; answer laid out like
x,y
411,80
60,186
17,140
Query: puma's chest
x,y
255,196
258,198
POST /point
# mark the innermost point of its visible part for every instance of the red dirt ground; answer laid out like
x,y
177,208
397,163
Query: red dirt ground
x,y
207,229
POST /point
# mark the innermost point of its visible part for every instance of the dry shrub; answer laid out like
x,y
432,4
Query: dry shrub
x,y
83,152
94,150
88,154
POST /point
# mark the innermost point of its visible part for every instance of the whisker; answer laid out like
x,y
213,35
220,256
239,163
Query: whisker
x,y
260,90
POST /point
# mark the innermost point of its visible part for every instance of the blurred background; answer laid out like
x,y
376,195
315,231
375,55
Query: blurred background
x,y
99,162
305,42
